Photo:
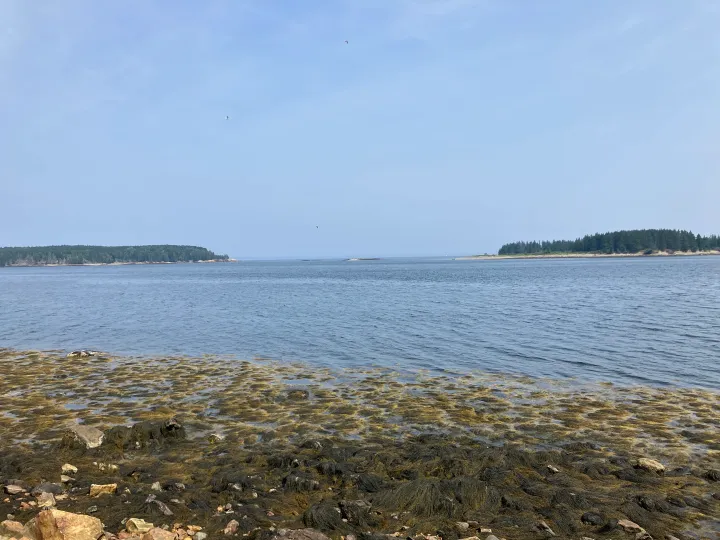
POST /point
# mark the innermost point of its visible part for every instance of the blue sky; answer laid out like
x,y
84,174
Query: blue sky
x,y
443,127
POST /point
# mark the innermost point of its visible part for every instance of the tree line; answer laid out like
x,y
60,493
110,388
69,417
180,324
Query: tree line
x,y
66,255
633,241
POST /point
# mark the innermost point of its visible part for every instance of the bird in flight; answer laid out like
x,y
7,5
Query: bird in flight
x,y
227,118
346,42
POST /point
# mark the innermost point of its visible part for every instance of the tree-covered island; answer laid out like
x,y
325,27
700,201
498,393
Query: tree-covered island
x,y
640,241
78,255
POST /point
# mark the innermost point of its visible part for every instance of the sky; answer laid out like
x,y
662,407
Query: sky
x,y
443,127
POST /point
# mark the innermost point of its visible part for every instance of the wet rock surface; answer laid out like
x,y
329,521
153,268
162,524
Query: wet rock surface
x,y
358,455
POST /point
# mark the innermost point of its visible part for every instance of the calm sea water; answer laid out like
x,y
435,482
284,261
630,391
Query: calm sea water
x,y
634,320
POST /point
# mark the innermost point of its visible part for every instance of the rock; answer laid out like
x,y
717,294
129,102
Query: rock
x,y
46,500
156,486
13,490
202,536
55,489
553,469
650,465
58,525
69,469
713,475
300,534
98,489
11,529
643,536
473,524
216,437
485,530
87,435
152,499
630,526
137,525
592,518
65,479
544,527
158,534
231,528
492,537
462,526
469,538
92,509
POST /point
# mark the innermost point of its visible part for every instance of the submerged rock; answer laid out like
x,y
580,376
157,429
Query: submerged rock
x,y
69,469
59,525
13,529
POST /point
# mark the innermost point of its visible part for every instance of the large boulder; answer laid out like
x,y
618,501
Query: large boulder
x,y
87,436
58,525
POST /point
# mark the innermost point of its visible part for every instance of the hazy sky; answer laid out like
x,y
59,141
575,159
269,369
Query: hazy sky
x,y
443,127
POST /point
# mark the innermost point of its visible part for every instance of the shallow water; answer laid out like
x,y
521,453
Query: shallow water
x,y
630,321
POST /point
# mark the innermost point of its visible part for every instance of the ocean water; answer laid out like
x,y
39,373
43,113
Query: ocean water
x,y
649,321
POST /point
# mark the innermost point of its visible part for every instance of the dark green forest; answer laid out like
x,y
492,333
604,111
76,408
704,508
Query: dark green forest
x,y
636,241
38,256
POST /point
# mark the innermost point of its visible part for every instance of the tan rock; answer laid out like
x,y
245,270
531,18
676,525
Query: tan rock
x,y
630,526
137,525
11,529
650,465
231,528
69,469
158,534
98,489
58,525
65,479
46,500
194,528
13,490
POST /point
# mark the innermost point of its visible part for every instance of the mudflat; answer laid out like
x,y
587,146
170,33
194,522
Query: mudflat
x,y
213,445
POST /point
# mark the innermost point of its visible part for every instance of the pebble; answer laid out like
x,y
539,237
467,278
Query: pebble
x,y
485,530
553,469
200,536
92,510
643,536
13,490
156,486
462,525
65,478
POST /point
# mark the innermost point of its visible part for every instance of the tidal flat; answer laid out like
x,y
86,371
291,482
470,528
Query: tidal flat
x,y
362,452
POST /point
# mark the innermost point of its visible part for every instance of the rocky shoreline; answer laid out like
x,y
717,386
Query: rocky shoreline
x,y
157,449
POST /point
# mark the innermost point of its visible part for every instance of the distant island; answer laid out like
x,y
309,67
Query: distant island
x,y
101,255
639,242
